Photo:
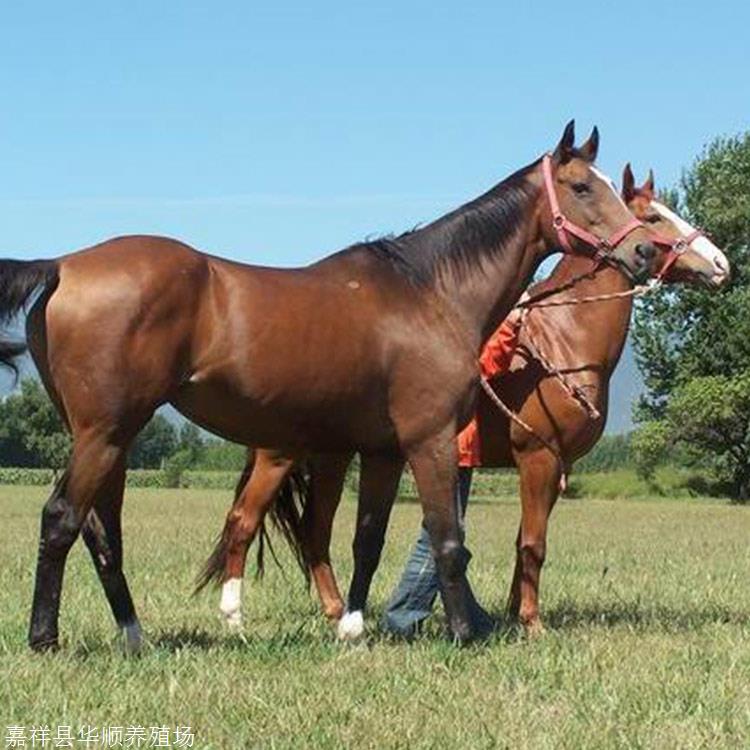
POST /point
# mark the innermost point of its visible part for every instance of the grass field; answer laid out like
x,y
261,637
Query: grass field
x,y
648,643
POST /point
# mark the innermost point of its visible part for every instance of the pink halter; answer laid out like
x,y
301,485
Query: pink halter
x,y
565,227
675,248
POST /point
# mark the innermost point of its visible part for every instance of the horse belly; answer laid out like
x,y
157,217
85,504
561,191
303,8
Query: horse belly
x,y
283,422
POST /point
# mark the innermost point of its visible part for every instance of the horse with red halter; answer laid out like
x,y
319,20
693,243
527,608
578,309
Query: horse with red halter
x,y
385,337
557,384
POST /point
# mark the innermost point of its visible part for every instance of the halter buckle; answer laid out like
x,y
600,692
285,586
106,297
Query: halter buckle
x,y
680,246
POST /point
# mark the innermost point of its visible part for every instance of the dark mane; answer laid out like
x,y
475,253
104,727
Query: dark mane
x,y
460,239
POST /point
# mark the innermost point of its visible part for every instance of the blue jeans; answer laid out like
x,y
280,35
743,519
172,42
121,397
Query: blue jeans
x,y
412,601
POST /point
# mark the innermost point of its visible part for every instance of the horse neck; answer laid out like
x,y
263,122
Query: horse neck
x,y
487,253
604,324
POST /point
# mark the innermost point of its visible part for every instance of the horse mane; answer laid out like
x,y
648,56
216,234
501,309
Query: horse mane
x,y
461,239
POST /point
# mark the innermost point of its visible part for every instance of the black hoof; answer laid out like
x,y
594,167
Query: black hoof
x,y
44,645
461,632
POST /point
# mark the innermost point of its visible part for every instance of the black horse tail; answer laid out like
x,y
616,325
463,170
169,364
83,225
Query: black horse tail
x,y
286,515
19,279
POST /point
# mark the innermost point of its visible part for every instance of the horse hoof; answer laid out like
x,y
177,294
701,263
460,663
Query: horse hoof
x,y
132,638
45,645
233,621
231,603
351,626
533,628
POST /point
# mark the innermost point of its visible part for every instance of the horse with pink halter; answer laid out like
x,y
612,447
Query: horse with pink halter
x,y
684,255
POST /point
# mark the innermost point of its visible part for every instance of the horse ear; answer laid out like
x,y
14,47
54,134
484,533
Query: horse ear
x,y
564,149
648,186
590,149
628,184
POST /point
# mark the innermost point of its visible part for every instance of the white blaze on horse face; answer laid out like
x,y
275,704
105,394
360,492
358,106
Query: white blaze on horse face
x,y
231,602
611,185
351,626
701,246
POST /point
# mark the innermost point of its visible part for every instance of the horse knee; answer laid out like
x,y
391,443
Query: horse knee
x,y
451,559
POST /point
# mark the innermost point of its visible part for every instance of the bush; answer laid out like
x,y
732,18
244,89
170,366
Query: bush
x,y
32,477
175,466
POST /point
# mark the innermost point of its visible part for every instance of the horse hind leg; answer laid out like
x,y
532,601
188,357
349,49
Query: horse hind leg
x,y
327,479
377,490
102,533
241,526
540,484
94,465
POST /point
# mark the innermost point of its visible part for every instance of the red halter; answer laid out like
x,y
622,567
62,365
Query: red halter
x,y
675,248
565,227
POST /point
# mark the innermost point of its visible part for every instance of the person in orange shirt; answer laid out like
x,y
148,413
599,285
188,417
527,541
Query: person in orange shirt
x,y
413,598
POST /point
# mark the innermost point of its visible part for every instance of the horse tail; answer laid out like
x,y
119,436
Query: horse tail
x,y
19,279
286,516
213,568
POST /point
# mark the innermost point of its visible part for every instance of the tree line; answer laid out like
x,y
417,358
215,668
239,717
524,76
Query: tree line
x,y
33,435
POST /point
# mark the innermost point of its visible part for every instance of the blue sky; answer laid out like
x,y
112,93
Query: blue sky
x,y
276,133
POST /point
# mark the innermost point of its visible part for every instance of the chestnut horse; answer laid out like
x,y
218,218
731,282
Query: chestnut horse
x,y
384,336
584,341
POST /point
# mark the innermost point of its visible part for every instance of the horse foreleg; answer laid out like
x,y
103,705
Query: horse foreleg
x,y
435,471
328,473
378,485
540,487
242,524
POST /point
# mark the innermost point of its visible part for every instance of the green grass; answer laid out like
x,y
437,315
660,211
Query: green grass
x,y
648,641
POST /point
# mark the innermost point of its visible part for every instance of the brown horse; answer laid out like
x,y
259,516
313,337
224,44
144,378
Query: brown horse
x,y
383,335
585,342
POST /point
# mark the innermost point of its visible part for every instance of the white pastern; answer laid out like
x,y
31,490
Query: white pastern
x,y
133,637
351,626
231,603
700,245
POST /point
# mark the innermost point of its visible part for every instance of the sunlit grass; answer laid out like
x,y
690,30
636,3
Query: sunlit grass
x,y
648,641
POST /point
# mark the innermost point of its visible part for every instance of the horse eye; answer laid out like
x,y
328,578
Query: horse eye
x,y
580,188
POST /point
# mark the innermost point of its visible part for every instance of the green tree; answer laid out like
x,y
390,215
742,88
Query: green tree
x,y
191,443
611,452
31,431
708,418
155,443
692,345
221,455
649,447
683,332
